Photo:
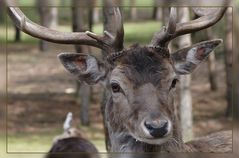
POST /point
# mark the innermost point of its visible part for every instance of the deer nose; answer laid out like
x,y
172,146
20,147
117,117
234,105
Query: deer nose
x,y
157,128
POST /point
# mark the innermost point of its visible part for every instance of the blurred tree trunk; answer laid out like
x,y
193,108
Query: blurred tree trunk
x,y
185,82
133,10
157,11
228,61
17,34
1,11
236,61
212,64
96,15
63,2
83,91
48,17
91,13
165,15
107,26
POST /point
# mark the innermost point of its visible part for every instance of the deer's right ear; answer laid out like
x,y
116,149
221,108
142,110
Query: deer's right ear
x,y
85,67
187,59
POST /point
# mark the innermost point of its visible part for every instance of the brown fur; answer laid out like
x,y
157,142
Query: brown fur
x,y
72,144
135,70
144,79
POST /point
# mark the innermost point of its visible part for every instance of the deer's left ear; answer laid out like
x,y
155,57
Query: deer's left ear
x,y
85,67
187,59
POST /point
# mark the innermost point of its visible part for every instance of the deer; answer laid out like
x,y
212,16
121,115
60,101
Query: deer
x,y
72,143
140,80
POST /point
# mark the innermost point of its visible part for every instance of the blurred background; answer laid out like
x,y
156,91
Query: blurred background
x,y
40,92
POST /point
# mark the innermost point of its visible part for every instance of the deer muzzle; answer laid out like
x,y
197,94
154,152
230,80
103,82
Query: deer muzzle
x,y
157,128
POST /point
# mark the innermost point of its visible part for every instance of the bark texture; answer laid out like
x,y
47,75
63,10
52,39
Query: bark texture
x,y
212,65
48,17
83,91
157,11
185,106
228,61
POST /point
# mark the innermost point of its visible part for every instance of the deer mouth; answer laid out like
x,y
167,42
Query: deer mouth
x,y
153,141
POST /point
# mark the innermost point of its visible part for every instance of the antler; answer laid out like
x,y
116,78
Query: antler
x,y
114,37
174,29
107,42
166,33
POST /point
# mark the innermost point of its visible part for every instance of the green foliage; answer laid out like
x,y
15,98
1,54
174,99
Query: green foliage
x,y
31,13
127,2
237,3
26,2
141,32
136,32
139,3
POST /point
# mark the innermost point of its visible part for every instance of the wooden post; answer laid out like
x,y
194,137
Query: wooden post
x,y
186,117
212,65
228,61
133,10
83,91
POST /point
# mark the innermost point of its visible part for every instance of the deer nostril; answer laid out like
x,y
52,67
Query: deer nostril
x,y
157,129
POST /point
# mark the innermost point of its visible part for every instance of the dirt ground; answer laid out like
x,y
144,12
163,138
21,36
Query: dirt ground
x,y
38,102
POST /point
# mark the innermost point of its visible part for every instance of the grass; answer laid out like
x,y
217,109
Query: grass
x,y
37,143
42,141
3,153
26,142
28,145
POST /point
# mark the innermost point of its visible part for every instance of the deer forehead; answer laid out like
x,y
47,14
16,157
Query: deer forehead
x,y
128,76
147,93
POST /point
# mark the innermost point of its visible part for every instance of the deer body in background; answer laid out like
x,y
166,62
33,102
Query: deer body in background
x,y
140,112
72,143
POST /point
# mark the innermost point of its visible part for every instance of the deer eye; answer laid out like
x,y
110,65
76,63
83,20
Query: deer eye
x,y
115,87
173,84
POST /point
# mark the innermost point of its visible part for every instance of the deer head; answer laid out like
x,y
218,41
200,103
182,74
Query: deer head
x,y
141,79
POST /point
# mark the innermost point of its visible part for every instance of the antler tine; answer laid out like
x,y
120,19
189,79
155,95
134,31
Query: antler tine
x,y
35,30
166,33
201,23
162,38
113,36
119,37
